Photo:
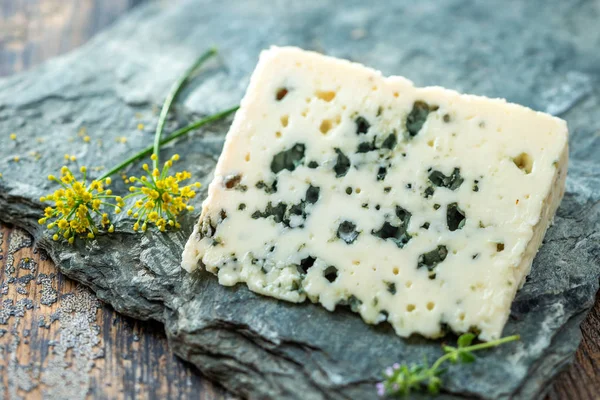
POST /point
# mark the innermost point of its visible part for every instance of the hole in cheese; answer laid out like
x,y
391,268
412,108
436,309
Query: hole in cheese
x,y
326,126
524,162
330,273
325,95
281,93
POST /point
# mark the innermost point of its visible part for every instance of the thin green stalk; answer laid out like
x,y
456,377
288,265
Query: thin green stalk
x,y
175,135
493,343
175,89
474,347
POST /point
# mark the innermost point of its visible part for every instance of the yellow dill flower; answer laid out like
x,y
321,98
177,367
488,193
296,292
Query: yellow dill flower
x,y
159,197
140,127
13,136
86,139
78,206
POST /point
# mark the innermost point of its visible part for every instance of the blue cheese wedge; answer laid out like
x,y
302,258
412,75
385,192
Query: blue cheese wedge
x,y
421,207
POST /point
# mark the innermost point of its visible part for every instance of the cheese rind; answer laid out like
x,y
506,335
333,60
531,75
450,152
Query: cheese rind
x,y
419,206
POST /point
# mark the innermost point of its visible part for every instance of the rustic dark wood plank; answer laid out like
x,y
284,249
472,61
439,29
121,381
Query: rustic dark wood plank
x,y
74,336
582,379
32,31
125,358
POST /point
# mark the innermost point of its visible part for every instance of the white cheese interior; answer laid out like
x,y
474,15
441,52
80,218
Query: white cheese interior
x,y
426,226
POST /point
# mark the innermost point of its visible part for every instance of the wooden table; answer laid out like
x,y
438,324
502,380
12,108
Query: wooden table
x,y
60,341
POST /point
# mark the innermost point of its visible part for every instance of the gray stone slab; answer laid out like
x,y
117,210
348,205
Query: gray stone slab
x,y
541,54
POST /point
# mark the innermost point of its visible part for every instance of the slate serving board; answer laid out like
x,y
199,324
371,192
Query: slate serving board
x,y
538,53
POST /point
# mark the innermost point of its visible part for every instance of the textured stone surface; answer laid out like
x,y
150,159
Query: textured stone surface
x,y
539,54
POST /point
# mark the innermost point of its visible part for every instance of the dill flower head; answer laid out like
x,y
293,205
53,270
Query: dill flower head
x,y
78,206
160,196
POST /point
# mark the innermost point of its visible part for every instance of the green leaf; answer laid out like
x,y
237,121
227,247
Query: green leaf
x,y
465,340
449,349
466,357
433,386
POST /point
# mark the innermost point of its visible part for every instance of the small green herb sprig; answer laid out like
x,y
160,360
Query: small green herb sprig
x,y
401,380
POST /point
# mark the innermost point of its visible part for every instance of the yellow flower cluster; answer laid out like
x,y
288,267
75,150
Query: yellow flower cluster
x,y
160,197
78,206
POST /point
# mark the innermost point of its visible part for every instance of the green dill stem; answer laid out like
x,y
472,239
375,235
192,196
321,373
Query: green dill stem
x,y
177,134
474,347
493,343
175,89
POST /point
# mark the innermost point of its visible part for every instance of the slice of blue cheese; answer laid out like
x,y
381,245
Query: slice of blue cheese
x,y
422,207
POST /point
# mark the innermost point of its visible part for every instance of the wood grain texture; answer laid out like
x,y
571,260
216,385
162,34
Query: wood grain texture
x,y
45,343
32,31
582,379
64,343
